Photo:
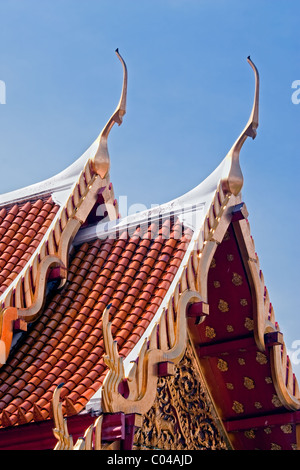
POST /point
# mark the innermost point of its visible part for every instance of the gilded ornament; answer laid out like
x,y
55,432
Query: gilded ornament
x,y
222,365
241,361
217,284
286,429
238,407
243,302
182,416
226,236
213,263
250,434
210,332
249,383
237,279
223,306
249,324
276,402
258,405
230,257
268,380
261,358
268,430
229,328
275,446
229,386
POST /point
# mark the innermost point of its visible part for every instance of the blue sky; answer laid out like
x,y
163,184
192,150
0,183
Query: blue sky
x,y
190,92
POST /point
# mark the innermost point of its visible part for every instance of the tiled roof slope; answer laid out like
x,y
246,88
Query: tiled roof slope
x,y
132,272
22,227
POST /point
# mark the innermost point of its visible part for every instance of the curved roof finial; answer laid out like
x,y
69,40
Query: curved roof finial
x,y
101,161
234,181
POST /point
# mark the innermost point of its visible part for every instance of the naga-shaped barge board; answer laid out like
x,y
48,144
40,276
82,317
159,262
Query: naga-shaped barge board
x,y
167,344
27,292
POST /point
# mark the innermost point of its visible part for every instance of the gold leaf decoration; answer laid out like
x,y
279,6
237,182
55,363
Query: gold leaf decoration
x,y
229,386
276,402
238,407
275,446
249,324
213,263
250,434
226,236
237,279
249,383
182,417
268,430
261,358
223,306
244,302
229,328
241,361
268,380
210,332
217,284
230,257
222,365
286,429
258,405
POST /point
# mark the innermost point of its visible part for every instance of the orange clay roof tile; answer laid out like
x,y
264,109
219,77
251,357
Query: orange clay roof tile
x,y
66,342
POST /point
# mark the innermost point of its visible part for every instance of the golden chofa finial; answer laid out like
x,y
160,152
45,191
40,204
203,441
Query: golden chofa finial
x,y
101,161
233,182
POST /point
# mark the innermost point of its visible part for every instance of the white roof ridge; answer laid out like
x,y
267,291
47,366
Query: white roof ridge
x,y
189,208
58,183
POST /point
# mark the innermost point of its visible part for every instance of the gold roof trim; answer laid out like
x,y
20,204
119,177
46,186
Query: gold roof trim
x,y
101,160
233,182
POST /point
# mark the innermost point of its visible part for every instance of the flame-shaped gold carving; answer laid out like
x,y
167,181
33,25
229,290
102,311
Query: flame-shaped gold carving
x,y
233,182
101,160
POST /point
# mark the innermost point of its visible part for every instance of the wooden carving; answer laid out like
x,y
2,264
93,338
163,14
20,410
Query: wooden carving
x,y
183,416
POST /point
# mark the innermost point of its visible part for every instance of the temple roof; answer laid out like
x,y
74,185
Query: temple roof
x,y
63,262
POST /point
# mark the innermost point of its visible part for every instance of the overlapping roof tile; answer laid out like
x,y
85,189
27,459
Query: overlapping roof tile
x,y
22,227
132,273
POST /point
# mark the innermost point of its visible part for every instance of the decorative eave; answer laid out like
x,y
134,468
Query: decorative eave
x,y
284,379
187,296
25,296
165,340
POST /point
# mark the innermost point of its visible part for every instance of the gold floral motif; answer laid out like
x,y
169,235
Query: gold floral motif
x,y
258,405
210,332
286,429
244,302
229,386
230,257
249,383
268,430
261,358
229,328
213,263
250,434
226,236
217,284
222,365
241,361
276,402
223,306
268,380
238,407
294,447
275,446
237,279
249,324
